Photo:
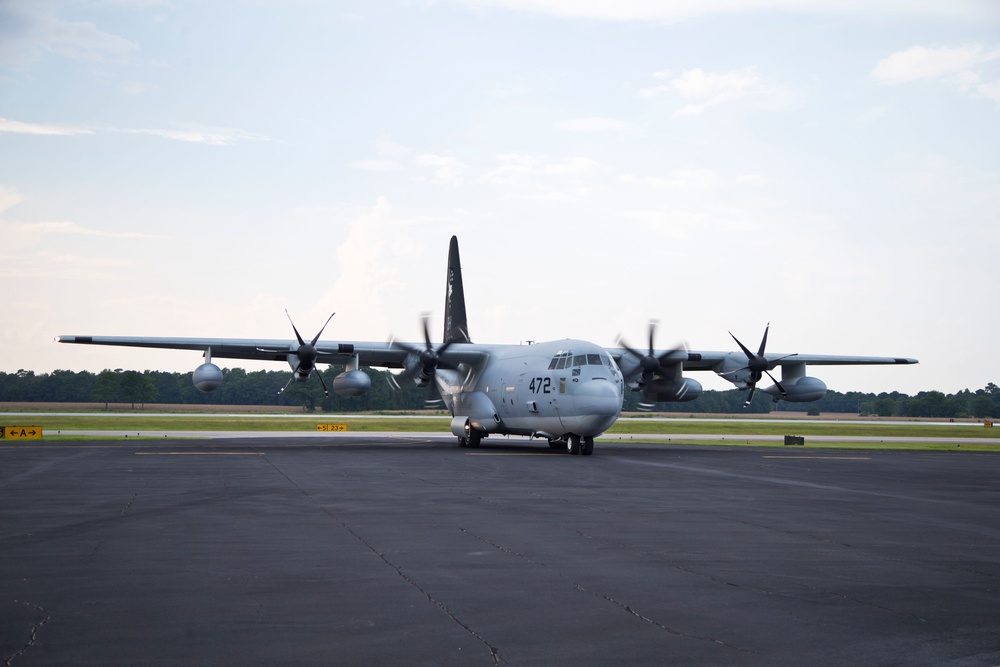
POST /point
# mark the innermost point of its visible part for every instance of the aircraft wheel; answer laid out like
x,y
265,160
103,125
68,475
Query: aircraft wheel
x,y
475,437
588,446
573,444
462,442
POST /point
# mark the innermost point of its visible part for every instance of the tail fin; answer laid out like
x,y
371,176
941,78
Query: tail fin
x,y
456,325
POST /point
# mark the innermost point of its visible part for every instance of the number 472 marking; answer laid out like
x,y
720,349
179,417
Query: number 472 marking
x,y
541,385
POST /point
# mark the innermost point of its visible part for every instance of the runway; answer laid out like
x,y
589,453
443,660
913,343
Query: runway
x,y
373,550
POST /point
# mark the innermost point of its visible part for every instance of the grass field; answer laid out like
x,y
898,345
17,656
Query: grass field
x,y
920,435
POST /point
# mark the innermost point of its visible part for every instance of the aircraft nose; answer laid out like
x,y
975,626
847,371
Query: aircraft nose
x,y
598,398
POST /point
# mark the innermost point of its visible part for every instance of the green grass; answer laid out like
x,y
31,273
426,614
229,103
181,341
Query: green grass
x,y
631,430
804,428
255,423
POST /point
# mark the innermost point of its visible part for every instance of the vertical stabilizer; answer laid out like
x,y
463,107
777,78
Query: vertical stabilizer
x,y
456,326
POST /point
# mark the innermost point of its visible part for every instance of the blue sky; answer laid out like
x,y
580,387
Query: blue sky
x,y
193,168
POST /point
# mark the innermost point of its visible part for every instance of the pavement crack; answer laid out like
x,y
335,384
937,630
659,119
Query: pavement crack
x,y
33,637
494,651
661,626
608,598
128,505
501,548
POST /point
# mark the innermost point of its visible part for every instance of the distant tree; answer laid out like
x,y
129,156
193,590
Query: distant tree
x,y
107,387
983,406
137,387
884,406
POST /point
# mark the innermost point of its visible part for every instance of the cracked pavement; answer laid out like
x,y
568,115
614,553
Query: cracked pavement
x,y
410,550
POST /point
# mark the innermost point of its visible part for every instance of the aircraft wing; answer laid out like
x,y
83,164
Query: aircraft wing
x,y
699,360
706,361
380,355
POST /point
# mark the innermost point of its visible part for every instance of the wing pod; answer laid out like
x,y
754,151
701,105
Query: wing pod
x,y
796,386
351,383
208,376
802,390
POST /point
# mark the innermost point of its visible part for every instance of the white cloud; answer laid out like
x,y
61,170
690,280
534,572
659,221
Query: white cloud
x,y
376,165
708,89
448,170
990,91
753,179
138,88
43,228
593,124
8,197
533,177
389,148
872,115
513,90
522,168
687,178
29,30
953,65
919,62
213,136
18,127
372,295
679,10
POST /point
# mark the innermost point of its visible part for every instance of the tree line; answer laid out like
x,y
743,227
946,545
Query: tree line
x,y
240,387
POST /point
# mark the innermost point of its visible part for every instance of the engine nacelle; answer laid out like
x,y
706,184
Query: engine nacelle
x,y
207,377
479,410
799,390
675,390
350,384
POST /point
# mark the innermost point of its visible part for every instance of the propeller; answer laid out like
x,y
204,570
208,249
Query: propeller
x,y
651,363
428,358
758,365
306,354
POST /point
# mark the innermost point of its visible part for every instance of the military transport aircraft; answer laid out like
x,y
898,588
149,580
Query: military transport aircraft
x,y
565,391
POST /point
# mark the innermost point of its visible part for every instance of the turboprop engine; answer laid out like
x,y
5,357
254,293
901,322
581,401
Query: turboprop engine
x,y
302,360
672,390
658,377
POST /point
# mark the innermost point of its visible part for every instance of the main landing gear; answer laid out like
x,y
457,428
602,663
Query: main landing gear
x,y
574,444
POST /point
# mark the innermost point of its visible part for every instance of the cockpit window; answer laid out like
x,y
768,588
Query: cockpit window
x,y
593,360
561,360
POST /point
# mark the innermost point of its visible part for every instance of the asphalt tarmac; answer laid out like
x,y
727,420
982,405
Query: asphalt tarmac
x,y
355,550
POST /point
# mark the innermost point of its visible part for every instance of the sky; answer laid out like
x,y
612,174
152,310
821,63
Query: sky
x,y
182,168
